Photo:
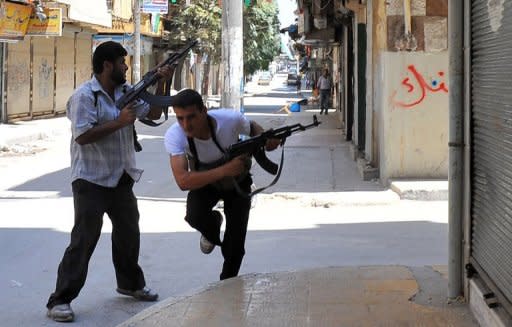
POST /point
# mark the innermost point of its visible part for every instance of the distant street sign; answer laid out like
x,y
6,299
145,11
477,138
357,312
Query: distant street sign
x,y
155,6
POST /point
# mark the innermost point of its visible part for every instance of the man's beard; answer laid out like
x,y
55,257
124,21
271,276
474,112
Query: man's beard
x,y
118,77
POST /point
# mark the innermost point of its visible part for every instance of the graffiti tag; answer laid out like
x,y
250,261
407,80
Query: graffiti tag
x,y
420,87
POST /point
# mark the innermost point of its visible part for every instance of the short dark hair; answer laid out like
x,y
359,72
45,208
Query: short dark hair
x,y
187,98
107,51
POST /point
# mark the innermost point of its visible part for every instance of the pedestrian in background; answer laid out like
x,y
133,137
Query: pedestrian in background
x,y
103,172
324,85
196,144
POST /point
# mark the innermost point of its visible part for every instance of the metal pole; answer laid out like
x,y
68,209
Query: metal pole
x,y
3,109
407,17
467,138
136,35
232,55
456,146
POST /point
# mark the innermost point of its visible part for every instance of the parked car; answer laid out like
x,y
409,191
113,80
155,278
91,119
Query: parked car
x,y
264,78
291,79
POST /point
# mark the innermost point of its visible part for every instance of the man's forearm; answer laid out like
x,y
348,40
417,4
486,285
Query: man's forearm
x,y
98,132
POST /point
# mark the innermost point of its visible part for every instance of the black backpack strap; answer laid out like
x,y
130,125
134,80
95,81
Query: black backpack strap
x,y
192,144
212,132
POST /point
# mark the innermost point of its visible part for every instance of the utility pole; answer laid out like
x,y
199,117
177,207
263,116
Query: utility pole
x,y
232,55
136,35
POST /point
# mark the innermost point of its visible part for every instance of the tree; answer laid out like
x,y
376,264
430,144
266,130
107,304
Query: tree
x,y
261,36
200,20
203,19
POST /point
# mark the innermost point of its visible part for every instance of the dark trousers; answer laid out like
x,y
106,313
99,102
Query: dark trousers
x,y
91,202
200,216
324,100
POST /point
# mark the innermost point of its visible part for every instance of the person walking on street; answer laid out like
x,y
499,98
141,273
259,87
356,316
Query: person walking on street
x,y
196,144
324,85
103,172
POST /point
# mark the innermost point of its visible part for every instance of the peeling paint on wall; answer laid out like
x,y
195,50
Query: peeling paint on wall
x,y
396,7
495,10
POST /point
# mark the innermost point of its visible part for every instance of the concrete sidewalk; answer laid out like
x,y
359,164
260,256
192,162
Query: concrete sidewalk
x,y
334,296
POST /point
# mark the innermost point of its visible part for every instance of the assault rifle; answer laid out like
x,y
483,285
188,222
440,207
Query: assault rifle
x,y
255,146
150,78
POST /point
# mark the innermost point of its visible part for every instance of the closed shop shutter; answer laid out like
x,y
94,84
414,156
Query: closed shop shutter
x,y
65,70
83,58
491,102
43,76
18,79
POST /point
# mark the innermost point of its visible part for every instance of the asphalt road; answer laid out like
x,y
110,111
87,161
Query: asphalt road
x,y
284,233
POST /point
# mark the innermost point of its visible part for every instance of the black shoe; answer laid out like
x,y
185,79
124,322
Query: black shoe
x,y
144,294
61,313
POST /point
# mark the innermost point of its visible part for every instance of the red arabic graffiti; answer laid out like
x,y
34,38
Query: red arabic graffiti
x,y
419,81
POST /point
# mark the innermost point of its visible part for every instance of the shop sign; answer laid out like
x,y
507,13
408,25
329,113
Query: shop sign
x,y
155,6
52,26
14,23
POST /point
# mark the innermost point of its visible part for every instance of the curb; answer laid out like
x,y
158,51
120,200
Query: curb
x,y
423,190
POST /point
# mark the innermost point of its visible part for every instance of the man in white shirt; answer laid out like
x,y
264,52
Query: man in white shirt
x,y
196,144
324,85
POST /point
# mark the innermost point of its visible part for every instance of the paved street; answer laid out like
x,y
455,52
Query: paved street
x,y
319,214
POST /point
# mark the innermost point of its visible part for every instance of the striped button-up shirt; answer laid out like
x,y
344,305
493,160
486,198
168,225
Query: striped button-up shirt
x,y
104,161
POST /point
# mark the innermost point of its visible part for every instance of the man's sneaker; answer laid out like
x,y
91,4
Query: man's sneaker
x,y
205,245
144,294
61,313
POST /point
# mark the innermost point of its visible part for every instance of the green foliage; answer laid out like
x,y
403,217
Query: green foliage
x,y
203,19
261,36
200,20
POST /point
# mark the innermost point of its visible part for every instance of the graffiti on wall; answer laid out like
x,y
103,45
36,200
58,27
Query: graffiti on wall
x,y
415,88
45,81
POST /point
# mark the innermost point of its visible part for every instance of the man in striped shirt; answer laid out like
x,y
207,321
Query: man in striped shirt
x,y
103,172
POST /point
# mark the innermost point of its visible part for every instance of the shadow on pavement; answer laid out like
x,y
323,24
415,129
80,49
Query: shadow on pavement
x,y
174,265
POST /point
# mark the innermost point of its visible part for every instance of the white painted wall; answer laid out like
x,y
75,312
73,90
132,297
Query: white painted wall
x,y
413,115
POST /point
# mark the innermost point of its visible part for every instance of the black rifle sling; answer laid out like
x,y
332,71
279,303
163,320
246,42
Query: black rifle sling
x,y
164,101
256,191
136,143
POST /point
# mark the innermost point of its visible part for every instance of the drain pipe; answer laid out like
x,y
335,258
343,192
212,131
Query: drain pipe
x,y
456,146
3,80
407,17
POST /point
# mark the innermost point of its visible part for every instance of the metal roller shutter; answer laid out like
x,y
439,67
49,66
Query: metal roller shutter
x,y
491,102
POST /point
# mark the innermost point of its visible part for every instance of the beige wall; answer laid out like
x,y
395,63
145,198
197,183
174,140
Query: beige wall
x,y
413,115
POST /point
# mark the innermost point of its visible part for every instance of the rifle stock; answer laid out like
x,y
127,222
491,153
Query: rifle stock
x,y
151,77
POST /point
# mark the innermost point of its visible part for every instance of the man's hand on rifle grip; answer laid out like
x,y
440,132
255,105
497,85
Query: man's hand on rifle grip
x,y
165,72
127,115
272,144
236,166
